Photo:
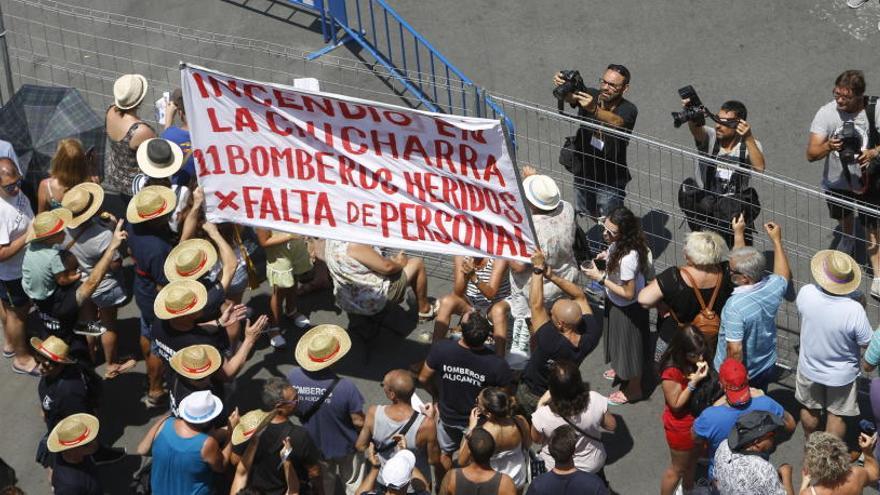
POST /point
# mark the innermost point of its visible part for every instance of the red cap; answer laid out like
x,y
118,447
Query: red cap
x,y
735,381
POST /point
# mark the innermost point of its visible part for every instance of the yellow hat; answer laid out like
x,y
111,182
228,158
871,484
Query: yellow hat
x,y
53,348
322,346
149,203
190,259
73,431
49,223
836,272
249,425
83,201
196,361
180,298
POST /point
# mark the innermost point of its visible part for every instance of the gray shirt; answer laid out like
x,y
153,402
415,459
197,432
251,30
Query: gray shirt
x,y
92,240
744,474
828,121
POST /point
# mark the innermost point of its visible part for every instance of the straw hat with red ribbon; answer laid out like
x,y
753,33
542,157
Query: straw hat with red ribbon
x,y
322,346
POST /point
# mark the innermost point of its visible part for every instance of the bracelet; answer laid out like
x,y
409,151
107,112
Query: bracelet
x,y
604,277
691,387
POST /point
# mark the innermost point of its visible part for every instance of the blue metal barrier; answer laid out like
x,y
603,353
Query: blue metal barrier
x,y
409,58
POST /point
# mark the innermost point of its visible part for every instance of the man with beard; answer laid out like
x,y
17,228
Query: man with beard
x,y
600,172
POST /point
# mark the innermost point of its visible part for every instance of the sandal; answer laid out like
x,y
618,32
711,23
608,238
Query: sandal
x,y
432,312
618,398
8,354
35,371
609,375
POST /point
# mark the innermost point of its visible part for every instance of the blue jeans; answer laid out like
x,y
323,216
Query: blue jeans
x,y
595,198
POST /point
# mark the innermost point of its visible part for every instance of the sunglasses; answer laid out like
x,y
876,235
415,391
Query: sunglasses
x,y
11,188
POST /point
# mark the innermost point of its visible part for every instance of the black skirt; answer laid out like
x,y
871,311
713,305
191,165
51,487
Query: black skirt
x,y
627,338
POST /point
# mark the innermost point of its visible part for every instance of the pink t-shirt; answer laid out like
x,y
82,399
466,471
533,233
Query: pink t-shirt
x,y
589,454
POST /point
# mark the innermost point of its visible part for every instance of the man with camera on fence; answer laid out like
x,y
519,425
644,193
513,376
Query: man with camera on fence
x,y
729,140
597,158
844,134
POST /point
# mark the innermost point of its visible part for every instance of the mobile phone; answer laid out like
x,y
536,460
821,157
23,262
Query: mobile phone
x,y
600,263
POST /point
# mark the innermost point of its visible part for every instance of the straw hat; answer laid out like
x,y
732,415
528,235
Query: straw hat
x,y
200,407
836,272
159,158
249,425
149,203
129,90
180,298
190,259
49,223
196,361
322,346
83,201
542,192
73,431
53,348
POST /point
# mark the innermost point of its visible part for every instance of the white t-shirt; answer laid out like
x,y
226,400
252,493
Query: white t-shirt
x,y
828,121
833,328
629,270
15,218
589,454
722,174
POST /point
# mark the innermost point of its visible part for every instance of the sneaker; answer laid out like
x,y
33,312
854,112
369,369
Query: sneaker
x,y
278,342
108,455
301,321
846,245
854,4
90,329
875,288
155,402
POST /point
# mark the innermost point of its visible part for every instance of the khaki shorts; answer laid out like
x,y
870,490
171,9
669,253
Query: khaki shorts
x,y
840,401
397,289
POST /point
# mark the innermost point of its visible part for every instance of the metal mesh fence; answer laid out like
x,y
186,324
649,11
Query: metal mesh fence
x,y
54,43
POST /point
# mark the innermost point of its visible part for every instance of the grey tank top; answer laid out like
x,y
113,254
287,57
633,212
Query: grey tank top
x,y
464,486
121,162
384,427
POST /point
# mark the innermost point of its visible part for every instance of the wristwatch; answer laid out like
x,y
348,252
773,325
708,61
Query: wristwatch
x,y
538,271
604,277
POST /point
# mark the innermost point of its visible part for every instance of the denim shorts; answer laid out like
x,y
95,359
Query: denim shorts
x,y
13,294
110,298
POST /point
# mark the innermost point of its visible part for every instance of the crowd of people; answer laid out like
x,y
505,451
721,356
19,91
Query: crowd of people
x,y
510,410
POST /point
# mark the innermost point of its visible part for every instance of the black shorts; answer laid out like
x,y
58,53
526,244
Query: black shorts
x,y
13,294
838,210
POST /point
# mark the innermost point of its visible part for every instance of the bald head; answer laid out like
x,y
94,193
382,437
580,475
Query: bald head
x,y
8,168
401,383
566,311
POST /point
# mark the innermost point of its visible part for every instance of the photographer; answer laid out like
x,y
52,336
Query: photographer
x,y
844,131
599,159
731,140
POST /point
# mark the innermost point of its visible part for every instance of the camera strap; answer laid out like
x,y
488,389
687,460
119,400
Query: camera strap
x,y
736,178
870,112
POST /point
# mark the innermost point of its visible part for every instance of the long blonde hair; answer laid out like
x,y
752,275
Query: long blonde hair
x,y
69,165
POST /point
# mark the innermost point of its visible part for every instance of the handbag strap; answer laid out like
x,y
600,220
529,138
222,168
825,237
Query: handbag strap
x,y
699,294
312,410
579,430
403,430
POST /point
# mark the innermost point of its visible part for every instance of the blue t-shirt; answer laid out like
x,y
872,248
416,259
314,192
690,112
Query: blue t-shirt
x,y
330,427
149,251
182,139
872,355
749,317
578,482
714,423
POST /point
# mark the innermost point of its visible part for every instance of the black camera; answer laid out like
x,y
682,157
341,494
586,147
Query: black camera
x,y
867,427
573,83
693,111
851,146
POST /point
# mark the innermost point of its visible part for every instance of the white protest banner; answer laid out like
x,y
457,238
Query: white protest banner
x,y
331,166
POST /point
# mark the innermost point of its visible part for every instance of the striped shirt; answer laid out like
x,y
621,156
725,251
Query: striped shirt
x,y
477,299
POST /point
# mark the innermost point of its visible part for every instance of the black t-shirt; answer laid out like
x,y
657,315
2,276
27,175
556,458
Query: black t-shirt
x,y
266,473
168,340
680,297
75,479
607,165
59,314
216,296
65,394
552,346
460,374
576,483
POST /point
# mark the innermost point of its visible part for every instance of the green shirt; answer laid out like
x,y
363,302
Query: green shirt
x,y
41,263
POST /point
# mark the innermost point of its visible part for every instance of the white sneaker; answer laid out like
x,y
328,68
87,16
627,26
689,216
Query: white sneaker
x,y
301,321
875,288
846,245
277,342
854,4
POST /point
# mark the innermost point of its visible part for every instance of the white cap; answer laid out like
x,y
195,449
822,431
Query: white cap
x,y
397,472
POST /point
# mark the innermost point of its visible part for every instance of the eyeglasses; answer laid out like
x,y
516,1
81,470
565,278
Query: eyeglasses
x,y
609,83
840,96
10,188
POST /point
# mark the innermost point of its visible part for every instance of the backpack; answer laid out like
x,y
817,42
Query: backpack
x,y
707,321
